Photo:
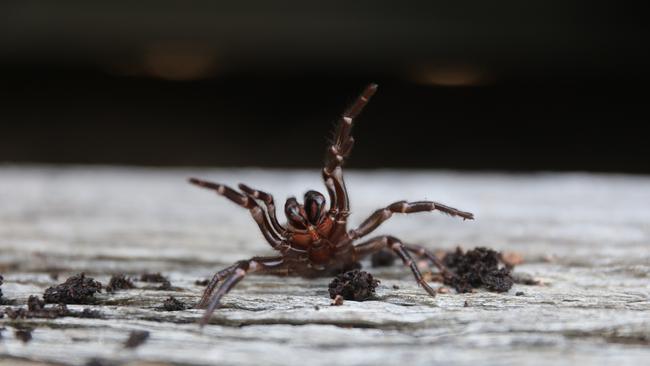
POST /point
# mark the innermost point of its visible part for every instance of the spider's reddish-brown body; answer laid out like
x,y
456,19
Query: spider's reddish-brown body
x,y
315,240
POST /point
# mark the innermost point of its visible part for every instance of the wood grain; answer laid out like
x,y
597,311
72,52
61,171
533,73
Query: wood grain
x,y
587,237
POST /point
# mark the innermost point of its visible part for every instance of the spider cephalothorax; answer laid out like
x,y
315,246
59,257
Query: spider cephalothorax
x,y
316,241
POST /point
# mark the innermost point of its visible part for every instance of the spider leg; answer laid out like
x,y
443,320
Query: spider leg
x,y
376,244
381,215
272,237
423,252
339,151
218,277
236,273
270,206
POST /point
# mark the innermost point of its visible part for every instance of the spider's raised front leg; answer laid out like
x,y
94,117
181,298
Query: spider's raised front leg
x,y
376,244
383,214
260,217
267,198
339,151
236,273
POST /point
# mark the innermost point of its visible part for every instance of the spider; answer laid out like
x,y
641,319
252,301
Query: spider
x,y
316,241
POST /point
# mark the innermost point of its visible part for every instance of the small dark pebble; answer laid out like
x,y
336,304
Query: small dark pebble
x,y
383,258
466,304
25,335
88,314
520,293
201,282
77,289
1,279
173,304
54,276
316,307
136,339
119,282
337,301
476,268
353,285
395,287
100,362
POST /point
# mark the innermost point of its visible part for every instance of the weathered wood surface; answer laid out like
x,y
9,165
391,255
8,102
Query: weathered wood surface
x,y
586,236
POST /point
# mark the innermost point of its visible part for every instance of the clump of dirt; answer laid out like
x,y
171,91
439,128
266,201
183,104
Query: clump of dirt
x,y
203,282
173,304
88,314
353,285
157,278
100,362
383,258
476,268
136,339
77,289
1,299
24,334
153,277
36,309
119,282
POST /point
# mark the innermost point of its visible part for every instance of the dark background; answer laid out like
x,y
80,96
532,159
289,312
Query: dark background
x,y
511,85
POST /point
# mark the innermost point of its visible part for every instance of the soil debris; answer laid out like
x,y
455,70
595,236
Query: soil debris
x,y
153,277
383,258
36,308
100,362
520,293
202,282
3,301
353,285
476,268
119,282
24,334
136,339
77,289
337,301
173,304
157,278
